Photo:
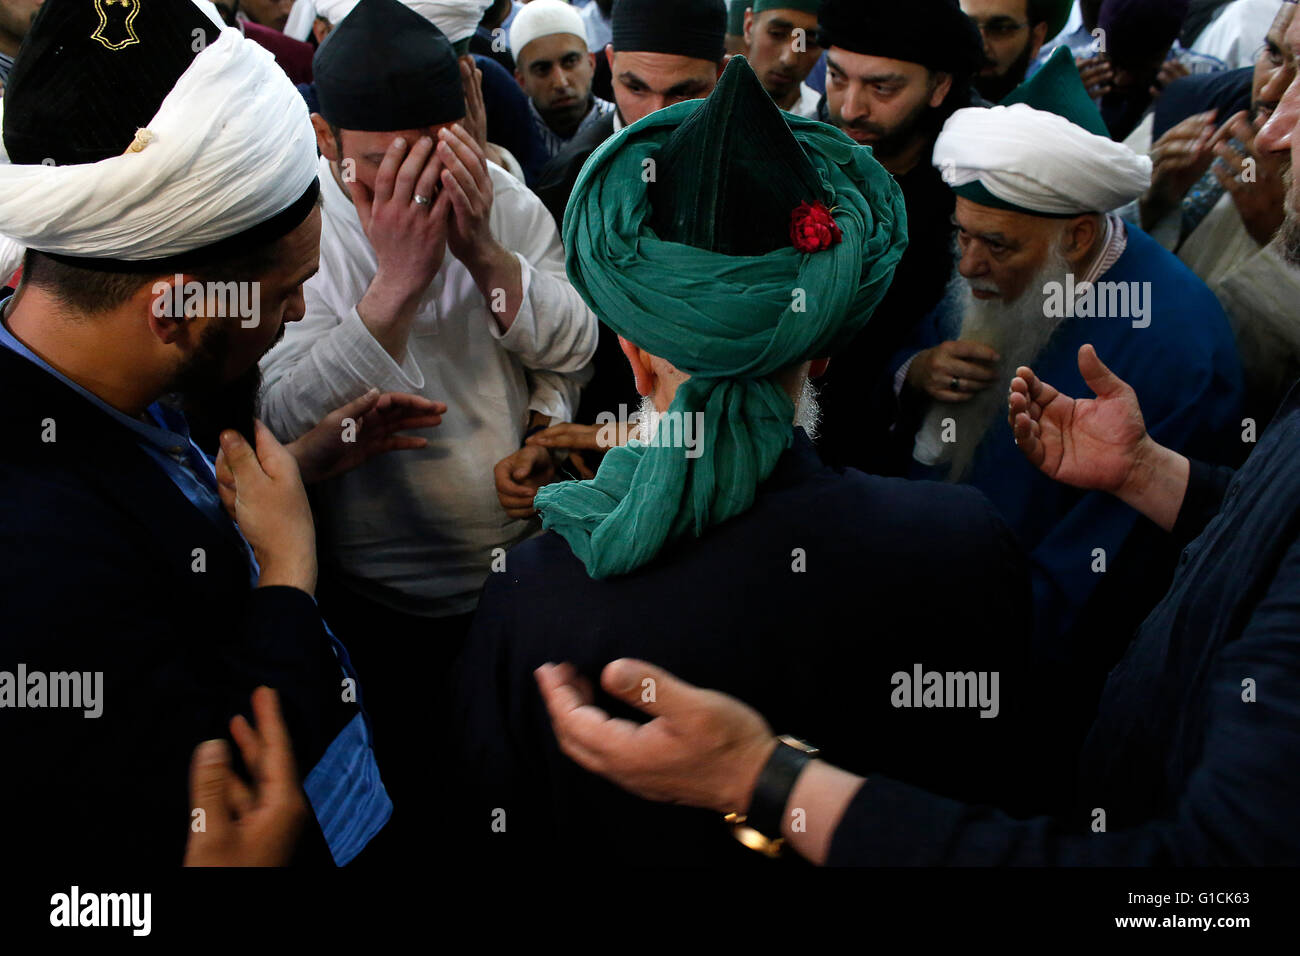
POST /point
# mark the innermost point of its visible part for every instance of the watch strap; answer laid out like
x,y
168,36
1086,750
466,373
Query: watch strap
x,y
772,791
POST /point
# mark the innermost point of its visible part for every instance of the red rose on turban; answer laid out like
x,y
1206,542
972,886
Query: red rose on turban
x,y
812,228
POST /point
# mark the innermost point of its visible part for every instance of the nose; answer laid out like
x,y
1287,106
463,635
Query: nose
x,y
972,264
296,308
1279,78
1276,134
855,104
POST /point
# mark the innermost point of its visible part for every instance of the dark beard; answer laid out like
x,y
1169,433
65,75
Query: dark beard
x,y
891,144
211,404
995,88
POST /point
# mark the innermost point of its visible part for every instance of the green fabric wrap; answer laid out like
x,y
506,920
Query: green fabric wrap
x,y
729,322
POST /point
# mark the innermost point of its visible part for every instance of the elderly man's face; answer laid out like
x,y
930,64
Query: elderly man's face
x,y
646,82
1279,135
1001,250
781,50
1010,42
15,20
555,71
1274,66
880,102
269,13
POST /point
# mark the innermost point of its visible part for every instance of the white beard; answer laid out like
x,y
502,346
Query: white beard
x,y
1018,331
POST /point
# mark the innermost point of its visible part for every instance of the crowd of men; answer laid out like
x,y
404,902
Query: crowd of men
x,y
410,397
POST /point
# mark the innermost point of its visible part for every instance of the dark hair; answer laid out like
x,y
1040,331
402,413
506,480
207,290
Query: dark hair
x,y
96,291
1039,11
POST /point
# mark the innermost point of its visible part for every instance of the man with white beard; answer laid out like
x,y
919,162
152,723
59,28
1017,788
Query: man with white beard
x,y
1046,270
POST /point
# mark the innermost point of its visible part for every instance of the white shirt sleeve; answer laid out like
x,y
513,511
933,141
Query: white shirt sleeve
x,y
553,330
326,360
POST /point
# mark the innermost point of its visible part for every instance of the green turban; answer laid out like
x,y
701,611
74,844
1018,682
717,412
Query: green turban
x,y
729,321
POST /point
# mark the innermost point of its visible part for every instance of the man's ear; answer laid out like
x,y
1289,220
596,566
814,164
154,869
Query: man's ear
x,y
166,302
1037,37
817,367
609,56
723,65
640,362
1080,235
320,28
943,83
325,139
747,32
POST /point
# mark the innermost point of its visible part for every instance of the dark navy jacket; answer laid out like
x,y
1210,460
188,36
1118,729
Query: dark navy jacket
x,y
805,606
1195,753
98,573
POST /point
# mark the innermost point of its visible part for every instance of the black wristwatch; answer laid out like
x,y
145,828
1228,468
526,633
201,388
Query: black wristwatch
x,y
760,829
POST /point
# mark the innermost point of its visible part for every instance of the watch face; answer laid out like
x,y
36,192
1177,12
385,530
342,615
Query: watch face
x,y
798,744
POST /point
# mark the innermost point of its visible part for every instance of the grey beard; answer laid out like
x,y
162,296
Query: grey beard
x,y
1287,239
1018,331
807,411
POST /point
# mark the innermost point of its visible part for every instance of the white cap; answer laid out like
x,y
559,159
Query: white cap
x,y
543,18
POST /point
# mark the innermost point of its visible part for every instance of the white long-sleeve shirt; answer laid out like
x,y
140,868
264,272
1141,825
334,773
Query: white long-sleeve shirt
x,y
417,530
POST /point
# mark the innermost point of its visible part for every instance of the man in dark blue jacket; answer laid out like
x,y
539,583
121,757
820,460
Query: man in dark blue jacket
x,y
138,616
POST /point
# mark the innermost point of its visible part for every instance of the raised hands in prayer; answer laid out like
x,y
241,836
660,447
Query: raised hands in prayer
x,y
1170,70
245,824
263,494
580,438
703,748
1178,159
1253,177
406,220
519,475
1097,74
363,428
1097,443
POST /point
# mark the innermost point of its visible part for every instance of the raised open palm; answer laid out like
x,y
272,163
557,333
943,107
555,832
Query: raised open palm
x,y
1085,442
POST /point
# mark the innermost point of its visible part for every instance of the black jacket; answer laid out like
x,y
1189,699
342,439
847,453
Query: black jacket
x,y
99,571
805,606
1194,757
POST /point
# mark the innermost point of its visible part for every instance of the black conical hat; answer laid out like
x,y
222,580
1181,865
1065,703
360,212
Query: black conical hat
x,y
92,72
729,177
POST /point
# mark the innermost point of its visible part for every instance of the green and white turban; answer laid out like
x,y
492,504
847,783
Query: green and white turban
x,y
698,266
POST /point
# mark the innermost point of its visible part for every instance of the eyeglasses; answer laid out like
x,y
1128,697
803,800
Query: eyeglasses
x,y
997,27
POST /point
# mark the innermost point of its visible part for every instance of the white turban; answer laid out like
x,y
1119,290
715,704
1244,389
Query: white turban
x,y
457,19
231,146
543,18
1038,161
305,12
